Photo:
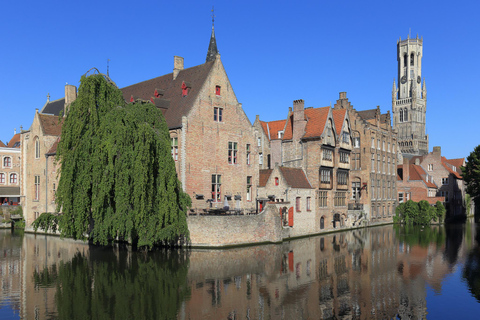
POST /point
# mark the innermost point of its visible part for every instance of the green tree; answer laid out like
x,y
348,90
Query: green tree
x,y
117,177
440,211
471,173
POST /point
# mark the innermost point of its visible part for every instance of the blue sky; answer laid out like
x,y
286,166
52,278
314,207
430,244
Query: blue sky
x,y
274,52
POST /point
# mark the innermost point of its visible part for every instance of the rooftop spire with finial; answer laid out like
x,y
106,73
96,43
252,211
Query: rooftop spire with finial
x,y
212,47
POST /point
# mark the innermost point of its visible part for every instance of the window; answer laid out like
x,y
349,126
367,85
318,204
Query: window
x,y
405,114
7,162
343,157
378,144
217,90
297,204
346,137
400,197
322,199
13,178
356,161
372,188
430,167
54,190
389,147
373,143
259,141
356,190
309,203
184,89
412,58
2,178
216,187
276,181
217,114
388,166
340,197
232,153
325,175
401,115
249,188
174,147
248,154
37,148
378,163
383,165
327,154
444,181
260,158
37,188
342,177
373,163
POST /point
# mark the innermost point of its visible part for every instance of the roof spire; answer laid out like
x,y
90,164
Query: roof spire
x,y
212,47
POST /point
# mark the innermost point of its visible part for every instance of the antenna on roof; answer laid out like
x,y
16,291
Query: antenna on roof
x,y
108,63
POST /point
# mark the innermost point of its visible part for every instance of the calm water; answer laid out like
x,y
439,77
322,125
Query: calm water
x,y
377,273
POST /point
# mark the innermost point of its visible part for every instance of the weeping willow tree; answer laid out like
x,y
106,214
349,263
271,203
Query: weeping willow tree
x,y
117,176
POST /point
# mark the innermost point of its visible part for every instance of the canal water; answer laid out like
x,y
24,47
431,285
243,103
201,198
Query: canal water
x,y
375,273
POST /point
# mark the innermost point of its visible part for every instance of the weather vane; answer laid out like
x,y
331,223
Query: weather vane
x,y
213,15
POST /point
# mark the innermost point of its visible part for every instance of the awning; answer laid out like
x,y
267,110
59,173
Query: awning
x,y
9,191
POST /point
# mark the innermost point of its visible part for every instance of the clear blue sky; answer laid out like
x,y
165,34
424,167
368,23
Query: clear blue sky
x,y
274,52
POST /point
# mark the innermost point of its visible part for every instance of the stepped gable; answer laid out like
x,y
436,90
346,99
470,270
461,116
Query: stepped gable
x,y
295,178
174,105
264,176
272,128
14,142
51,125
338,118
54,107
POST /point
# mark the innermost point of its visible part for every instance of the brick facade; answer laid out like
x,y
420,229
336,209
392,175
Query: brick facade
x,y
10,172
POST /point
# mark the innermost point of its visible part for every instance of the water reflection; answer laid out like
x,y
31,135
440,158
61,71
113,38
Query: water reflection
x,y
381,273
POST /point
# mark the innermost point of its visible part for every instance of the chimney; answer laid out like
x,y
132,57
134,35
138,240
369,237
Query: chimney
x,y
70,96
406,169
299,121
15,131
437,152
177,66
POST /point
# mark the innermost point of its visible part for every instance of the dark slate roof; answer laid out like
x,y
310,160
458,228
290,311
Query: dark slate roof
x,y
367,114
295,178
212,47
50,124
54,107
9,191
53,149
172,101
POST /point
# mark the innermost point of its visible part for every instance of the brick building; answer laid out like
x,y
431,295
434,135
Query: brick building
x,y
269,138
10,174
213,143
373,161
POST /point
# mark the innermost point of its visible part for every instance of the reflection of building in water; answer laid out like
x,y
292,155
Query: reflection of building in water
x,y
10,270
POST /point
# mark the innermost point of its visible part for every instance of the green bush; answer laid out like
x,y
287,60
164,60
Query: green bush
x,y
421,213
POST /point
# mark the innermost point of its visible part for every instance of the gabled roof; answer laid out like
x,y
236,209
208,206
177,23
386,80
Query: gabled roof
x,y
316,120
263,177
272,128
416,174
175,104
2,145
446,163
51,125
295,178
54,107
339,118
14,142
53,149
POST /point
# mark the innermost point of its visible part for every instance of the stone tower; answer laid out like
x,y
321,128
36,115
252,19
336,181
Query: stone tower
x,y
409,99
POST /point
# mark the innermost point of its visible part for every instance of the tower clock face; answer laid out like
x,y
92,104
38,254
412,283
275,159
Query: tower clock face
x,y
419,79
404,79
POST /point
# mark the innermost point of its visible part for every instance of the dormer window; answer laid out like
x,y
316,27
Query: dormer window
x,y
218,90
280,134
184,89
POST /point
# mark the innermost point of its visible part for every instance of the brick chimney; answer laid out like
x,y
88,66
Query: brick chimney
x,y
437,152
177,66
299,121
406,169
70,96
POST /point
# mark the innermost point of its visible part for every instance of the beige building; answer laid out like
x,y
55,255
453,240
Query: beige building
x,y
10,173
373,162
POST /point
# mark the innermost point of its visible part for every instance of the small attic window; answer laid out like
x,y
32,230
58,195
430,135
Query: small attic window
x,y
277,181
184,89
280,134
218,90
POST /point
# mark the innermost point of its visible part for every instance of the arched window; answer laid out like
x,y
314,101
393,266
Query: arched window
x,y
401,115
322,223
13,178
412,58
405,60
405,114
7,162
37,148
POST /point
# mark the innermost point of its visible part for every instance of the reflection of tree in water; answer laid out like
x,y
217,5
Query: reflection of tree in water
x,y
471,270
125,285
453,242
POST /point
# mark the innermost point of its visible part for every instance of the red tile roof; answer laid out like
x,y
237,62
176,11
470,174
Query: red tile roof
x,y
51,125
338,118
416,174
53,149
295,178
2,145
264,175
272,128
13,142
170,91
316,120
288,135
447,165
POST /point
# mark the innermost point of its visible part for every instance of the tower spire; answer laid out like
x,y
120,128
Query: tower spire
x,y
212,47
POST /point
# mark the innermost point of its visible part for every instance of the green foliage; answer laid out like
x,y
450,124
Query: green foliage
x,y
422,213
18,211
118,178
20,224
468,203
45,222
420,235
471,173
122,286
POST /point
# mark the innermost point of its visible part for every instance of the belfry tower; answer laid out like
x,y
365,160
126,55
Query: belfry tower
x,y
409,99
